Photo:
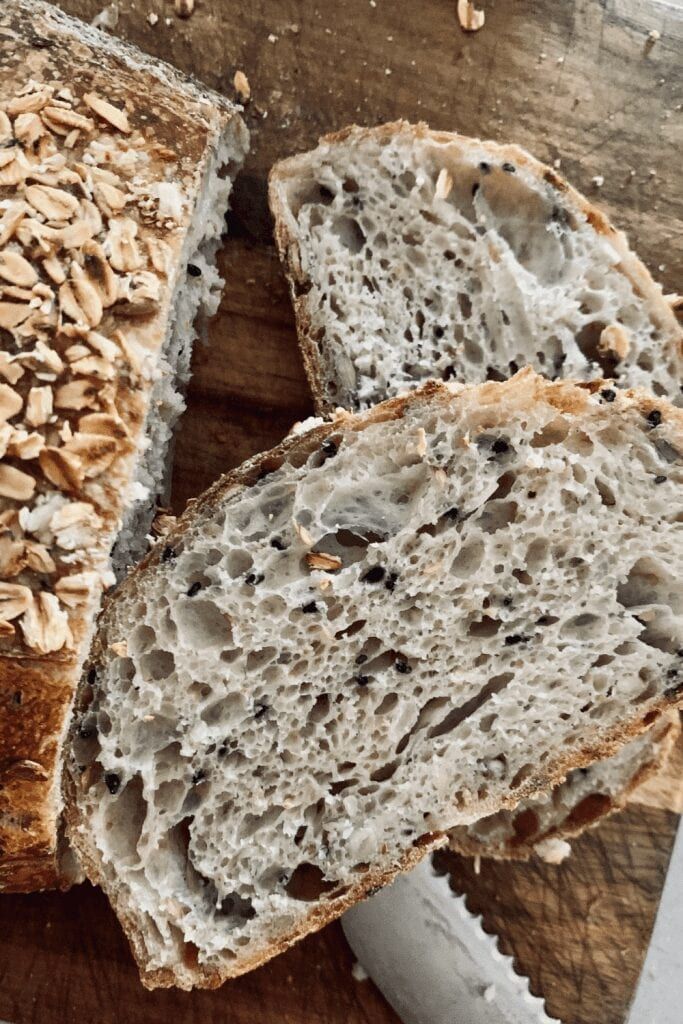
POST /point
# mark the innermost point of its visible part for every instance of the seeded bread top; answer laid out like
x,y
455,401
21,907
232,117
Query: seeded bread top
x,y
102,155
95,196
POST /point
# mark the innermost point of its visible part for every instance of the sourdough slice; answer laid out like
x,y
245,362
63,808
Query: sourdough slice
x,y
114,177
543,824
393,624
478,259
414,254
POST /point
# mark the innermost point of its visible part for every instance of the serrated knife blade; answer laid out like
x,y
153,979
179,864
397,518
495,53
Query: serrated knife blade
x,y
432,959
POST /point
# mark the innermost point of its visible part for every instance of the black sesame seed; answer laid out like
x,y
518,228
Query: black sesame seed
x,y
453,514
484,167
193,270
260,709
390,581
505,318
112,782
374,575
608,394
309,608
277,544
509,168
252,579
449,372
516,638
654,418
544,620
438,332
513,366
660,479
402,666
194,589
329,447
559,215
361,659
198,776
167,554
475,188
92,675
500,446
362,680
507,601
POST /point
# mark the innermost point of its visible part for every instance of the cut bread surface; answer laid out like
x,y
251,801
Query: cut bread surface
x,y
392,625
414,254
115,174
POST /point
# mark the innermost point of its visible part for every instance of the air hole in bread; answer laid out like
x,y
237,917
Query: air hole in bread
x,y
308,883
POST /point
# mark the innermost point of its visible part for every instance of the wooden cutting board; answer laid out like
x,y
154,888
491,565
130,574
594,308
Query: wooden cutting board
x,y
575,81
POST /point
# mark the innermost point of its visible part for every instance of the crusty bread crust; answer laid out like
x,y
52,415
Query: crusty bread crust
x,y
574,825
317,369
524,390
182,123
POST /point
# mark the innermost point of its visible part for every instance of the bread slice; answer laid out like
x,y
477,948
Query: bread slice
x,y
115,173
393,624
543,824
414,254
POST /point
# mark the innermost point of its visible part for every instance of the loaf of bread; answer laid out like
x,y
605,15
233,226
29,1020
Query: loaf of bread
x,y
115,173
414,254
394,624
543,824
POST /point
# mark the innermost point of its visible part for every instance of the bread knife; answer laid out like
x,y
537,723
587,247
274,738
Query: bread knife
x,y
432,959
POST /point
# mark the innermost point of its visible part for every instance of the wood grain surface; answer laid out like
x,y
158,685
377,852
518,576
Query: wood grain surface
x,y
575,81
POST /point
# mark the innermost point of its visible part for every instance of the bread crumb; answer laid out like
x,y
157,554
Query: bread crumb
x,y
477,864
387,71
358,972
108,18
152,18
272,38
489,993
598,180
557,163
553,851
184,8
471,19
242,87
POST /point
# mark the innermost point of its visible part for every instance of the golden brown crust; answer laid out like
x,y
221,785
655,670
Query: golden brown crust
x,y
314,360
88,127
524,390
